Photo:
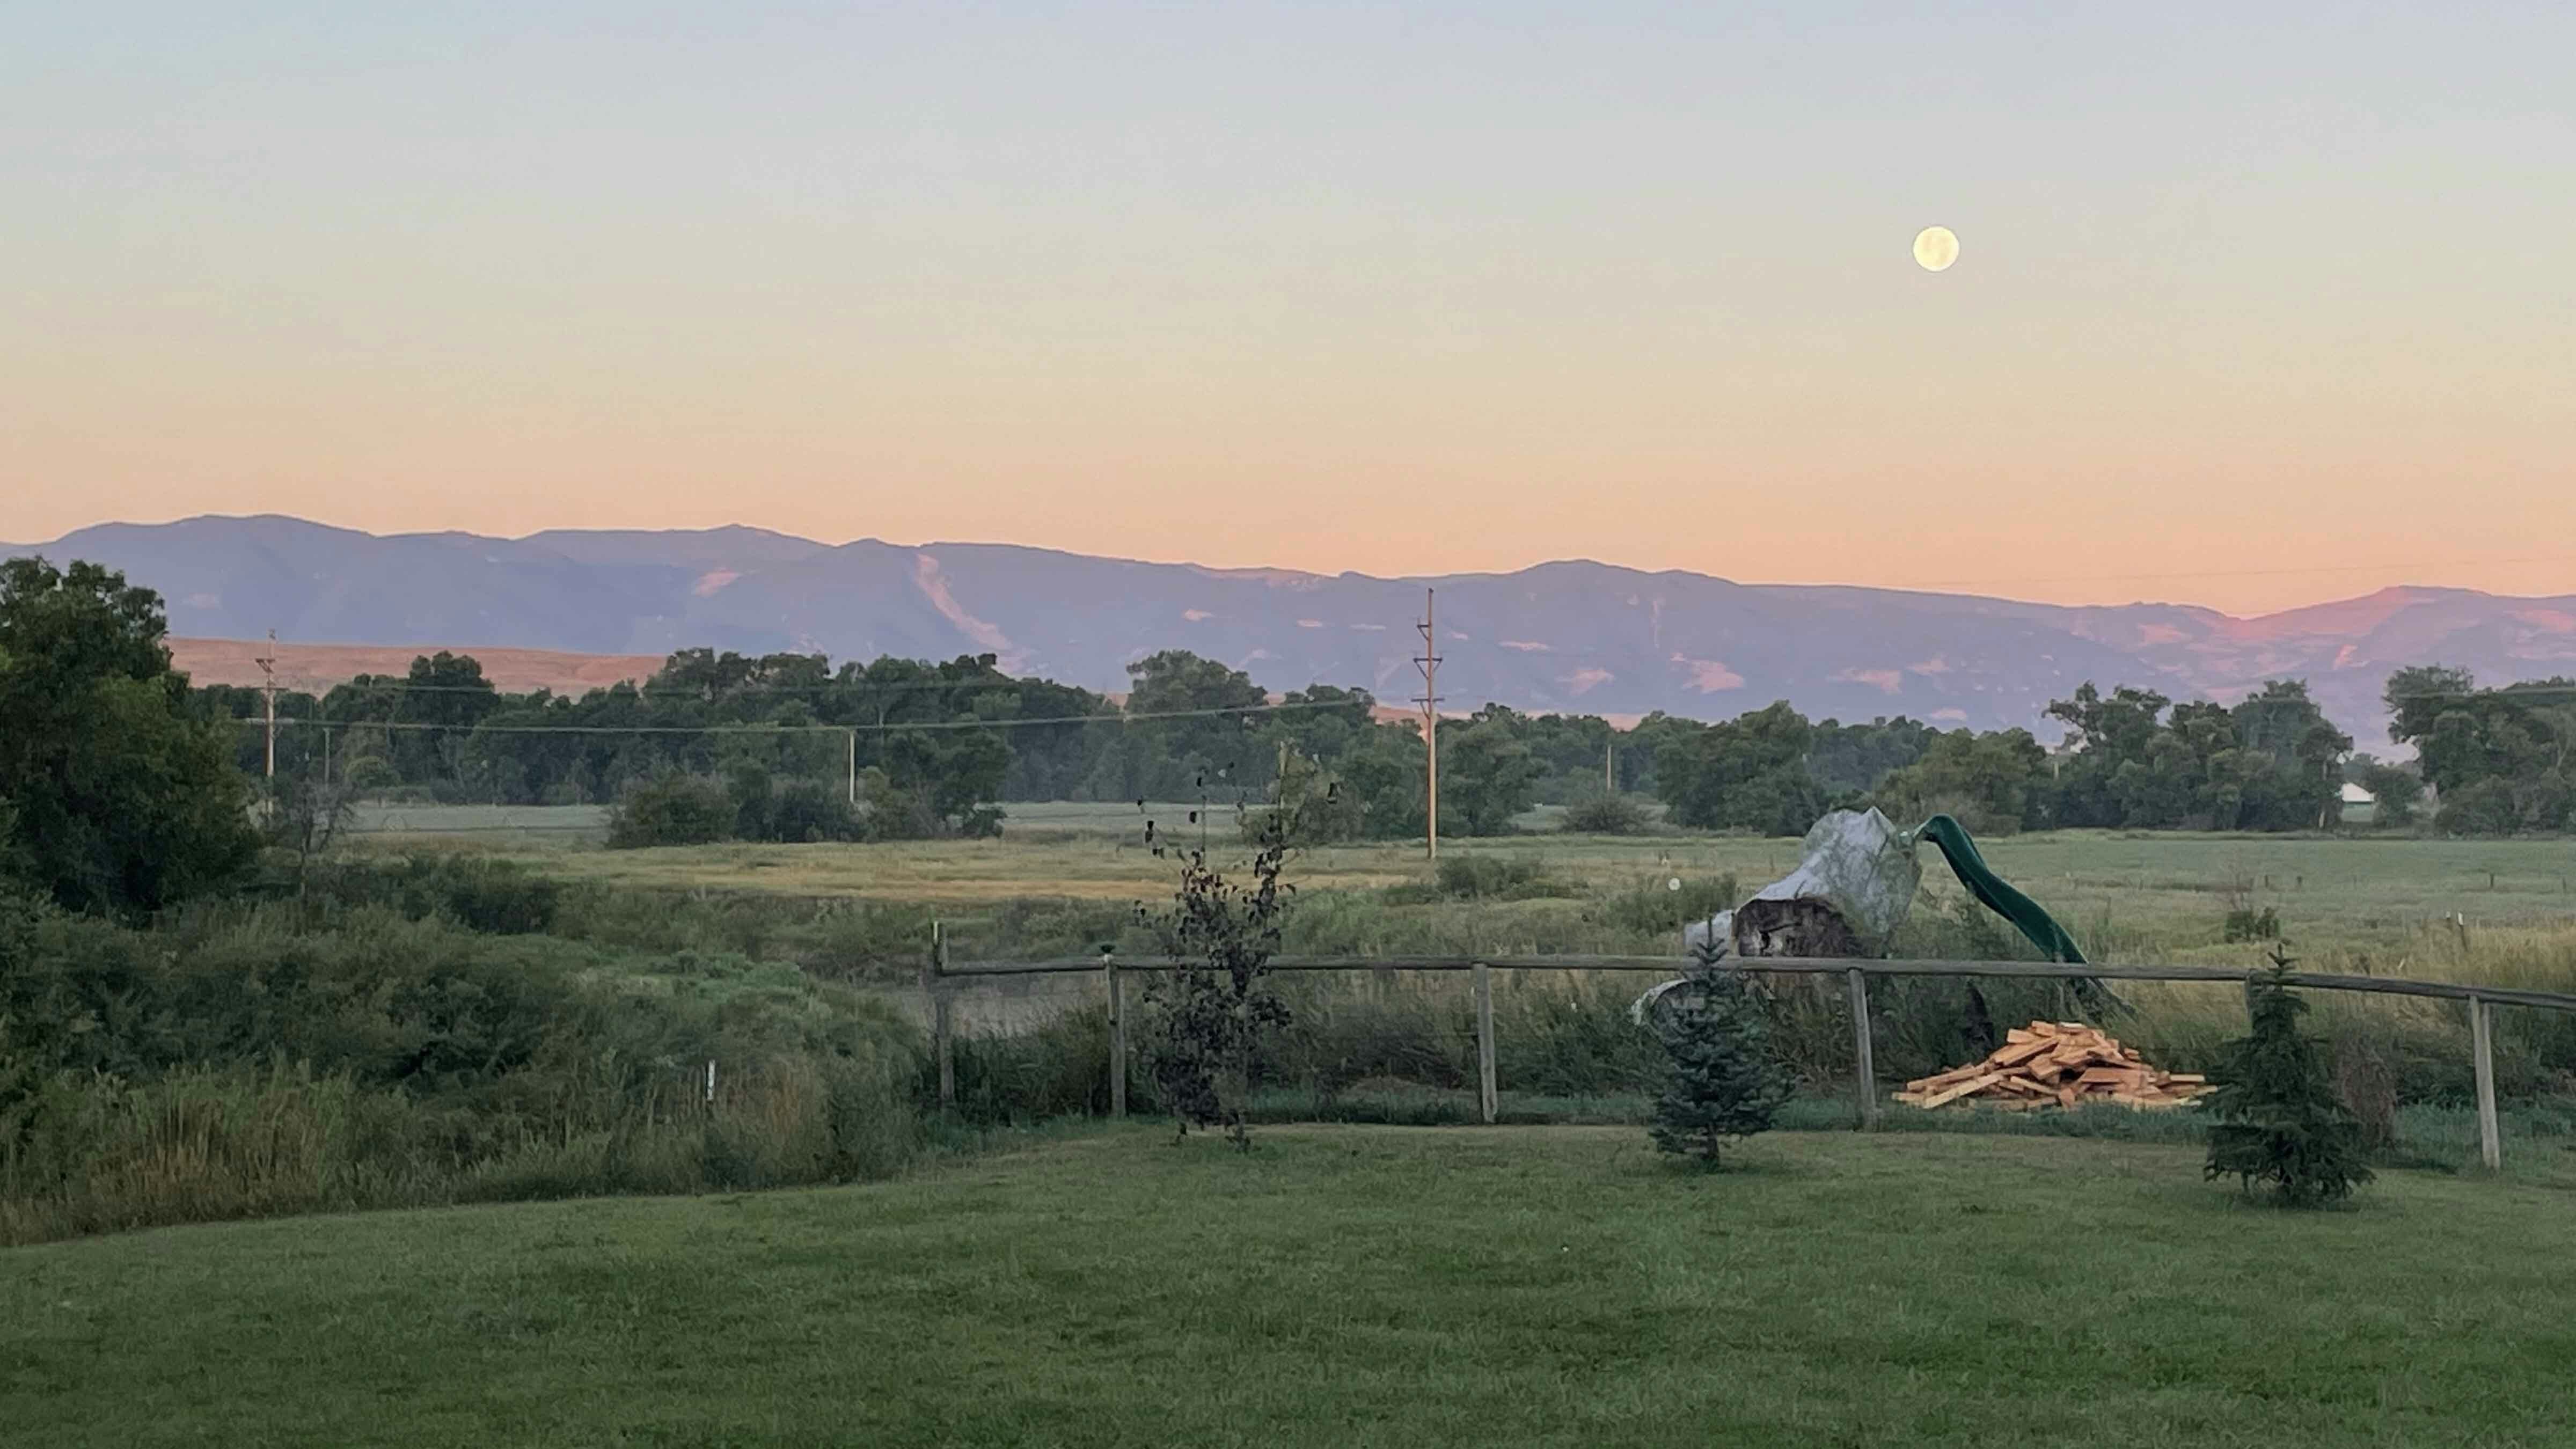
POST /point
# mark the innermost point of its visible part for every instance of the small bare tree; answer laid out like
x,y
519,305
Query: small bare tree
x,y
304,818
1208,1016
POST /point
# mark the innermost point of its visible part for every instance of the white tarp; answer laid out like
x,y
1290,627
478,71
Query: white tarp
x,y
1855,861
1859,863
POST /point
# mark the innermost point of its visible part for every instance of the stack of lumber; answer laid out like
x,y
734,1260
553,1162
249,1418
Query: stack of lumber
x,y
2057,1064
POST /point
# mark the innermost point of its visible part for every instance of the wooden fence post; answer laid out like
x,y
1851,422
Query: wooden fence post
x,y
933,980
1865,1068
1486,1097
1117,1034
2482,1045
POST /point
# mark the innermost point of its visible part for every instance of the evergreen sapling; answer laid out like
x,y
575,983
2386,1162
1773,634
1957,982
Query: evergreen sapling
x,y
2277,1117
1725,1082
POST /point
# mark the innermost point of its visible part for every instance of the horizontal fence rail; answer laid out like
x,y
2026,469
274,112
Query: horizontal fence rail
x,y
938,972
1811,966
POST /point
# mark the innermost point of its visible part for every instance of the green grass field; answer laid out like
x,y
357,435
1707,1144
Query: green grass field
x,y
1344,1286
2161,891
1063,876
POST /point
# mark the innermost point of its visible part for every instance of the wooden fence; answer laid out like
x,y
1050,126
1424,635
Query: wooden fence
x,y
939,977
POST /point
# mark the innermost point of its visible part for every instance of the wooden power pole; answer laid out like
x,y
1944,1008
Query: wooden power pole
x,y
1429,664
268,672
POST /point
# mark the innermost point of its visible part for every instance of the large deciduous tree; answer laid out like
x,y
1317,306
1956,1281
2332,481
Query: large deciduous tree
x,y
2504,759
118,796
1988,781
1487,774
1749,773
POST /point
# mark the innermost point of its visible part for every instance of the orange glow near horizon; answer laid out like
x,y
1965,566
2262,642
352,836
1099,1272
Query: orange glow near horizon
x,y
2250,325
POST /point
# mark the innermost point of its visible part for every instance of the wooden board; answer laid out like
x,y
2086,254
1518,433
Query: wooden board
x,y
2015,1055
1952,1094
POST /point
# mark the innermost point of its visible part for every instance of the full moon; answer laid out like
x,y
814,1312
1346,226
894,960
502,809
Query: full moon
x,y
1935,248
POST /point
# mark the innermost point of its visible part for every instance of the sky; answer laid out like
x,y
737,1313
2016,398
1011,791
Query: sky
x,y
2249,312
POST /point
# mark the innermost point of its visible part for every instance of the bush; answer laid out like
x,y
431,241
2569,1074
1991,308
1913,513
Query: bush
x,y
1483,878
797,812
1654,906
804,811
2486,807
1602,814
1725,1085
671,810
501,897
1207,1019
2277,1118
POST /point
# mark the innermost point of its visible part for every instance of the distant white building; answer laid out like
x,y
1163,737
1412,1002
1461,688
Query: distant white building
x,y
2355,795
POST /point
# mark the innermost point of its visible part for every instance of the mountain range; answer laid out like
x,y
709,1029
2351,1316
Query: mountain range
x,y
1573,635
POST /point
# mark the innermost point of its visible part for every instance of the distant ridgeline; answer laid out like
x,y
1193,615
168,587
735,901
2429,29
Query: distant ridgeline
x,y
788,746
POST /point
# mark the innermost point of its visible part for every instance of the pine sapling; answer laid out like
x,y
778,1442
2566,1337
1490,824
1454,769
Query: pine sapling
x,y
2277,1119
1726,1084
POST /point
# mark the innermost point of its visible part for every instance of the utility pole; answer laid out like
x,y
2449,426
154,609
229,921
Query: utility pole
x,y
854,768
268,671
1429,664
1610,764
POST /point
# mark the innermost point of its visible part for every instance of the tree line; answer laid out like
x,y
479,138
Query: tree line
x,y
120,785
940,748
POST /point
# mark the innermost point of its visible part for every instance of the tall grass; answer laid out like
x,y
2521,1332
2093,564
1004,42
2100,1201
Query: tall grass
x,y
249,1064
1569,1034
450,1028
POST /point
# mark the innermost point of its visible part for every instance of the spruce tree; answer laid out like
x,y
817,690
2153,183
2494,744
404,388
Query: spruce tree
x,y
1725,1081
2278,1120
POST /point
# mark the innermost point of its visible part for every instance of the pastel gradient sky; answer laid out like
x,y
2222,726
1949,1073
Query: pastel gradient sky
x,y
2247,312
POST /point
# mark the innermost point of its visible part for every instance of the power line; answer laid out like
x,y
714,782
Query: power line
x,y
829,729
650,691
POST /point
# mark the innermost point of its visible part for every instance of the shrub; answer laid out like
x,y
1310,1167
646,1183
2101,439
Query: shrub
x,y
1206,1019
1725,1085
1654,906
812,810
2485,807
671,810
501,897
1483,878
1604,814
2277,1119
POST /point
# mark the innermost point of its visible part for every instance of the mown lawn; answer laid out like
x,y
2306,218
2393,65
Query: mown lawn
x,y
1344,1285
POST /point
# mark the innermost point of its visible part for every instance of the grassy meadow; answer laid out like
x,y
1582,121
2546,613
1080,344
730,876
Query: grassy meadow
x,y
1065,878
2158,890
482,1013
496,1040
1343,1286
